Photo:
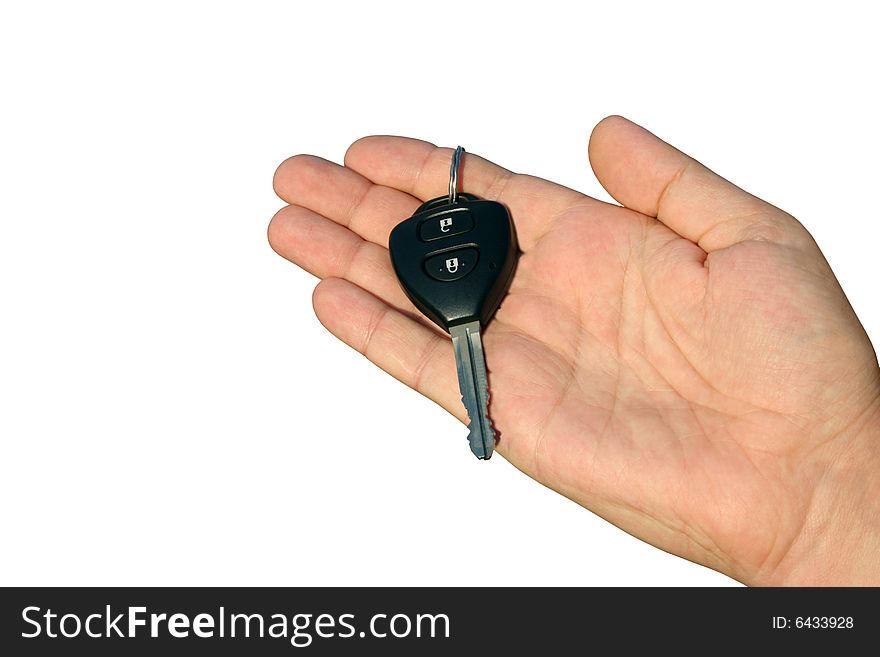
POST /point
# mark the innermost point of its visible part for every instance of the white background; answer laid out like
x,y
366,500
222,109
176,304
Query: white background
x,y
171,412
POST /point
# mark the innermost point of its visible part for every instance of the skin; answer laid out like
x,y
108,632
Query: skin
x,y
685,364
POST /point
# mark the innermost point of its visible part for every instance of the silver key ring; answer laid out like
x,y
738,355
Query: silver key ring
x,y
453,174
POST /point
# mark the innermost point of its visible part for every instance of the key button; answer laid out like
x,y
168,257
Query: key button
x,y
452,265
446,225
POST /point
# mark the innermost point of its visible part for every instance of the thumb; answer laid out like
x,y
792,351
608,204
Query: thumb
x,y
644,173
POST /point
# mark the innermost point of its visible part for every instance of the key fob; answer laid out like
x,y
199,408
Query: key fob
x,y
455,261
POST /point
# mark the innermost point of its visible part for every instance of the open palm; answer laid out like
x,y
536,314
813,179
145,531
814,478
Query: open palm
x,y
685,366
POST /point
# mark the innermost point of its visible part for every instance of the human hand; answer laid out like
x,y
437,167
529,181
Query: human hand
x,y
685,366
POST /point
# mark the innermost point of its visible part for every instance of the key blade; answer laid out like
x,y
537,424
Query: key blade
x,y
474,385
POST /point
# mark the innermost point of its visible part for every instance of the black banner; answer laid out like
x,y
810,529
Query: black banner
x,y
319,621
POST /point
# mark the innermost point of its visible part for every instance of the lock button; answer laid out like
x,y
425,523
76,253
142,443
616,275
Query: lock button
x,y
446,224
452,265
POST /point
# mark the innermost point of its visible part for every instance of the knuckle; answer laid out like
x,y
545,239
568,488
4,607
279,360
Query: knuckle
x,y
775,227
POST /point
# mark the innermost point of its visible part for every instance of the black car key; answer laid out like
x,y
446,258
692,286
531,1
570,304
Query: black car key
x,y
455,258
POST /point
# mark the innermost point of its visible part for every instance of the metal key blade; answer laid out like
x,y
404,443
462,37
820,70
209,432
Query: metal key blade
x,y
474,386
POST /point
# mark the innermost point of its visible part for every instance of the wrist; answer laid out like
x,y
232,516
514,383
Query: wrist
x,y
839,543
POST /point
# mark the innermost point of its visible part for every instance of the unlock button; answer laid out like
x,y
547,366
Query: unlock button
x,y
446,225
452,265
